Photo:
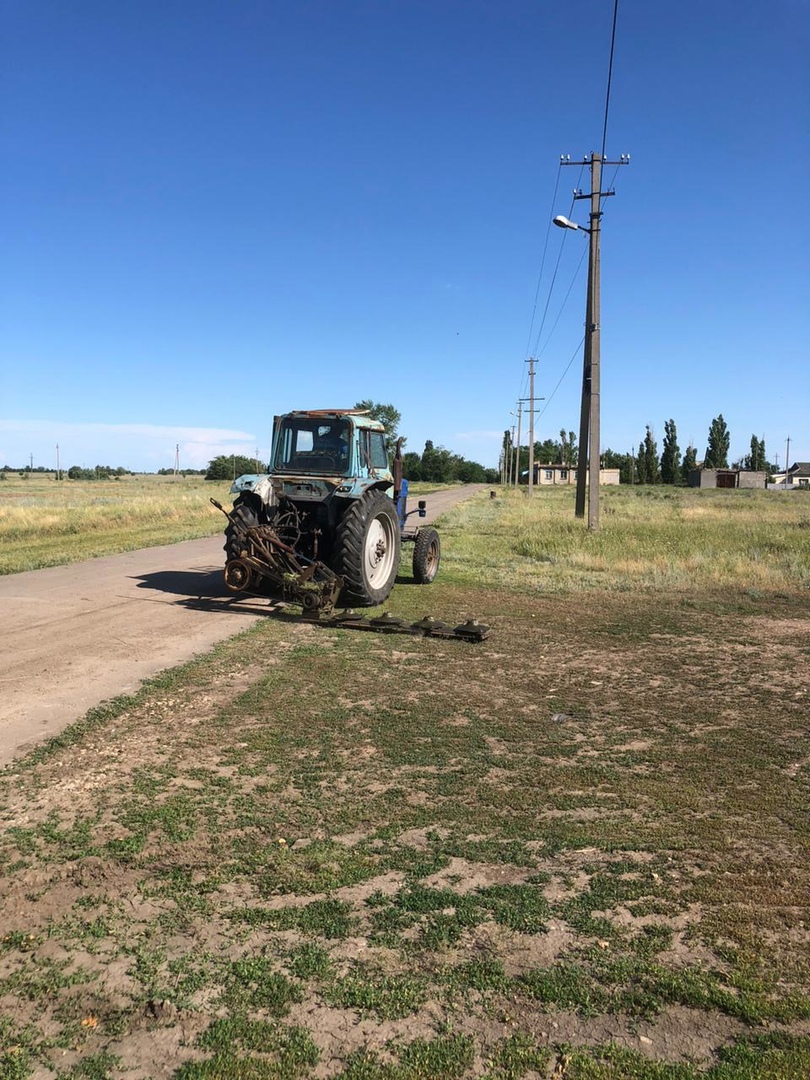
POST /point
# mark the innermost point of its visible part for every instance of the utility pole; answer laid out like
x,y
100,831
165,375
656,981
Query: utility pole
x,y
58,470
176,458
531,400
511,457
589,417
531,426
787,460
517,448
592,318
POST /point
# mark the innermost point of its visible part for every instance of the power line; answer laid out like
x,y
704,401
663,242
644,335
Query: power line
x,y
559,257
610,78
537,350
574,355
524,380
543,260
557,266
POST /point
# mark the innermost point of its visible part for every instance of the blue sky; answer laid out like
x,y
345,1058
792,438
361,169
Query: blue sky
x,y
218,211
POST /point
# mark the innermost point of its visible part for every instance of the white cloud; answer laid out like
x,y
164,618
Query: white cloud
x,y
478,436
139,447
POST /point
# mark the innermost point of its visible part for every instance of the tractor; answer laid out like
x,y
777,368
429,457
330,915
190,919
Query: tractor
x,y
328,521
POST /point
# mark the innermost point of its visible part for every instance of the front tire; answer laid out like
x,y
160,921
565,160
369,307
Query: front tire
x,y
367,549
245,515
427,554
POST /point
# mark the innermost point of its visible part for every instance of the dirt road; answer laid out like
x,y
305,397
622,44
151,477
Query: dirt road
x,y
72,636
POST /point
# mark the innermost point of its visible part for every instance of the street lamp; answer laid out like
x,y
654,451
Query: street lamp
x,y
563,223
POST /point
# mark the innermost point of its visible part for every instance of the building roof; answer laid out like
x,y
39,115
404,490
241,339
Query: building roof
x,y
800,468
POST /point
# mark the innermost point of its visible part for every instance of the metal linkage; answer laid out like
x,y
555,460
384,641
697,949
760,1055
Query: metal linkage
x,y
264,555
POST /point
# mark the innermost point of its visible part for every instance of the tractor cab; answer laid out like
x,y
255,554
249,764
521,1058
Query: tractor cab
x,y
345,445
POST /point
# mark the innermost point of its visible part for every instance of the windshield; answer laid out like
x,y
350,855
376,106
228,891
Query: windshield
x,y
318,447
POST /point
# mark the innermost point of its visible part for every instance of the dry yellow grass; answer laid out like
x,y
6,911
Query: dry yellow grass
x,y
649,538
45,523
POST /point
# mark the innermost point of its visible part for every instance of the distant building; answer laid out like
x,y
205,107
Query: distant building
x,y
726,478
549,475
797,476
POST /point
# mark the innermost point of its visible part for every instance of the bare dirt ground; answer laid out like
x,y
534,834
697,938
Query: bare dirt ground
x,y
475,858
73,636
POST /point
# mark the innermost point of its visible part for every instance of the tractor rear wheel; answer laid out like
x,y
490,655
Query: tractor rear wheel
x,y
427,555
367,549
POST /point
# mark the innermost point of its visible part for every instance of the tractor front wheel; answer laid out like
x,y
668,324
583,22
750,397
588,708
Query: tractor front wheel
x,y
243,517
427,554
367,549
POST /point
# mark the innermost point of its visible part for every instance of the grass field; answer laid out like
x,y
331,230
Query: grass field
x,y
577,850
45,523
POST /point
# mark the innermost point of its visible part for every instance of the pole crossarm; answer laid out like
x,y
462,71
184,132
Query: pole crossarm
x,y
625,160
599,195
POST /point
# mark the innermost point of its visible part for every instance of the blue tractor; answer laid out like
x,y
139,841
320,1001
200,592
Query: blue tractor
x,y
328,521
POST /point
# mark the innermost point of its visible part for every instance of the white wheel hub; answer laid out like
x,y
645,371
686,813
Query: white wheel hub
x,y
379,551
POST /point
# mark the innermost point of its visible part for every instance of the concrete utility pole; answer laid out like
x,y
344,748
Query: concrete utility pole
x,y
509,457
592,317
531,427
589,418
517,448
787,459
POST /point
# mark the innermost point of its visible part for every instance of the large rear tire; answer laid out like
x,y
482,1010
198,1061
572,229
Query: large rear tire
x,y
367,549
427,555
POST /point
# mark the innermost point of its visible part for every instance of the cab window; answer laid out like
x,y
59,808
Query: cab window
x,y
378,458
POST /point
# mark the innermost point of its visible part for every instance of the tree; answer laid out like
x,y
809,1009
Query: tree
x,y
647,460
568,447
470,472
689,463
412,466
437,464
547,452
506,454
229,466
671,456
625,463
756,460
719,441
388,416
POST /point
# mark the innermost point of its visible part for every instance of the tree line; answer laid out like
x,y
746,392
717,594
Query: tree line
x,y
671,467
646,466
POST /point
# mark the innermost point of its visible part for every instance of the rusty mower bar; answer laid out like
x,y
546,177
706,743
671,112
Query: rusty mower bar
x,y
472,630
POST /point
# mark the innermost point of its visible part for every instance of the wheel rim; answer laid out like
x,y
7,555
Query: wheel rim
x,y
432,559
237,575
380,549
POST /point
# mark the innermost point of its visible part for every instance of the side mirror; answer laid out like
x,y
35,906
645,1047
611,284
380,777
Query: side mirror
x,y
422,508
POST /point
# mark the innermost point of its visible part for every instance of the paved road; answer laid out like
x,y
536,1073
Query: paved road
x,y
72,636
